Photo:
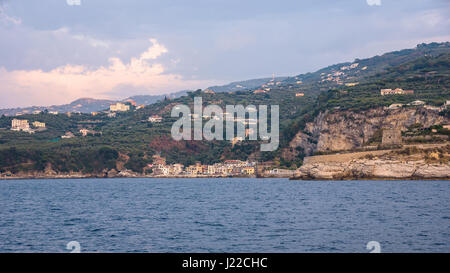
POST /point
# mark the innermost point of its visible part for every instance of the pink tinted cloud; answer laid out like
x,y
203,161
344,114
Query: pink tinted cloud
x,y
66,83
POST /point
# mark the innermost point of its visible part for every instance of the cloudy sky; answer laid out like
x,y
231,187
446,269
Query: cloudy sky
x,y
55,51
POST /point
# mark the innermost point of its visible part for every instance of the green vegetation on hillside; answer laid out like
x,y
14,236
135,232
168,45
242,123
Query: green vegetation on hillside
x,y
129,140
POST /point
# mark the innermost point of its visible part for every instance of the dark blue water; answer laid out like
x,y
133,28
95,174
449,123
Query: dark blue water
x,y
224,215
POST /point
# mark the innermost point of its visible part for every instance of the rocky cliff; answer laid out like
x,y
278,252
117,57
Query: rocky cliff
x,y
347,130
410,163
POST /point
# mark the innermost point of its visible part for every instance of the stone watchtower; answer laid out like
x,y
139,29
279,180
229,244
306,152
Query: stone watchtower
x,y
391,137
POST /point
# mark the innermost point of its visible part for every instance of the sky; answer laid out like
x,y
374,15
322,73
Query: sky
x,y
56,51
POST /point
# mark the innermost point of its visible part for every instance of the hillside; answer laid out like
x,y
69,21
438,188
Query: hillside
x,y
129,140
245,85
89,105
83,105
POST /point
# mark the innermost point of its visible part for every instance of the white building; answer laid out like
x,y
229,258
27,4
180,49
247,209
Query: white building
x,y
119,107
176,169
155,119
208,91
397,91
212,169
417,103
85,132
37,124
19,124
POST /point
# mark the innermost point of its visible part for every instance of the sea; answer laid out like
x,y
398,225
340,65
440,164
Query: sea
x,y
234,215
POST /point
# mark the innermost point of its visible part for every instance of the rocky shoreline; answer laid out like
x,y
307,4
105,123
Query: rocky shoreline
x,y
407,164
431,162
358,170
377,170
96,176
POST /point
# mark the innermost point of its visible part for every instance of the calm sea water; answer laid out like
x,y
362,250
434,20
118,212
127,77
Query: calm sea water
x,y
224,215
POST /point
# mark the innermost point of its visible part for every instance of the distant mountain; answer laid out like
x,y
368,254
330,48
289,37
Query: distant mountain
x,y
88,105
244,85
83,105
360,69
150,99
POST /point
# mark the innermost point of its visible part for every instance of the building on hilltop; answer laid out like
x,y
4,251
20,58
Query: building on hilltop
x,y
397,91
85,132
208,91
38,124
119,107
19,124
259,91
155,119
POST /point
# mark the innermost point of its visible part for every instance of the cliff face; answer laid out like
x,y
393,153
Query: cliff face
x,y
410,163
346,130
374,169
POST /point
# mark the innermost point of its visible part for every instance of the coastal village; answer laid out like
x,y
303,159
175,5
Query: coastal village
x,y
225,169
159,167
390,135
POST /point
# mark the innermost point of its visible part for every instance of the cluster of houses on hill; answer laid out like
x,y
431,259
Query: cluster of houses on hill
x,y
338,76
24,126
35,112
111,112
226,168
420,104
